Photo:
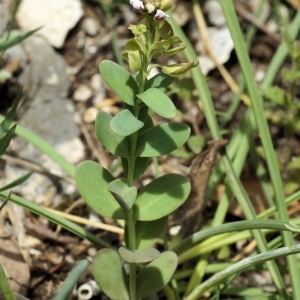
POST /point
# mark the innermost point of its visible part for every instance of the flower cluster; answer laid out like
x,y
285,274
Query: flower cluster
x,y
156,7
152,39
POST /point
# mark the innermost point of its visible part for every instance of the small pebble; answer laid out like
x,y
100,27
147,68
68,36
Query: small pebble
x,y
55,17
83,93
215,14
98,99
175,230
90,114
72,149
98,87
92,252
96,82
80,40
259,76
90,26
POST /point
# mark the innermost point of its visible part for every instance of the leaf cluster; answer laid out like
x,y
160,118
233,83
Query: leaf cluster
x,y
163,42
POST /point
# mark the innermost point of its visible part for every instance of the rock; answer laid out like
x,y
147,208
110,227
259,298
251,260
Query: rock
x,y
215,13
4,18
98,87
72,149
90,26
89,116
221,44
38,188
83,93
52,120
80,40
41,75
48,113
97,82
56,16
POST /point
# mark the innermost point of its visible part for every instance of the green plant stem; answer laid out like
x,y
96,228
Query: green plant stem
x,y
132,246
130,216
131,166
131,223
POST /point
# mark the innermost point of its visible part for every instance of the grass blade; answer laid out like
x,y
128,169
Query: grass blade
x,y
68,225
16,182
5,287
69,284
242,266
257,105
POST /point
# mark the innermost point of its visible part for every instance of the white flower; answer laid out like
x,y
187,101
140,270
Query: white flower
x,y
137,4
160,15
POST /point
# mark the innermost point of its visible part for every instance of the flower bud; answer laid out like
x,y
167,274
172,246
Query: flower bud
x,y
160,15
165,5
137,4
150,7
156,3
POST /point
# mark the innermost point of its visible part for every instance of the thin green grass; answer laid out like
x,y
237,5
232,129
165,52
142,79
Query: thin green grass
x,y
232,169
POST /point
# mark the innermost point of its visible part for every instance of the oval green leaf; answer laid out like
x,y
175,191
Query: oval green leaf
x,y
140,166
160,81
161,197
138,256
113,142
125,123
148,232
119,80
158,272
162,139
92,181
158,102
109,273
123,194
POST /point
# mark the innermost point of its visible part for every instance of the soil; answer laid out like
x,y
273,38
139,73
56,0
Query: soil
x,y
55,253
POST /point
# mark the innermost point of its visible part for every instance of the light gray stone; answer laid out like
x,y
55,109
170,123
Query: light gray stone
x,y
83,93
56,16
221,44
46,112
90,26
43,69
38,188
98,87
215,13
